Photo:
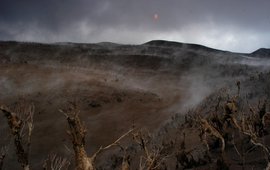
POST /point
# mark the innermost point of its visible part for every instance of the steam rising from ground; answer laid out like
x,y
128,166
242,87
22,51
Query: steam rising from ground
x,y
251,61
184,77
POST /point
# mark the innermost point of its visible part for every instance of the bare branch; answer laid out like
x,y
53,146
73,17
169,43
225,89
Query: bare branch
x,y
115,143
54,162
212,131
153,155
15,124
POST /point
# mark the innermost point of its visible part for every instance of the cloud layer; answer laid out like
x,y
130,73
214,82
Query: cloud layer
x,y
241,26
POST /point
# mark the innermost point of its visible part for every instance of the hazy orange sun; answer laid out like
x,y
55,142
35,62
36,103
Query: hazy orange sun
x,y
156,17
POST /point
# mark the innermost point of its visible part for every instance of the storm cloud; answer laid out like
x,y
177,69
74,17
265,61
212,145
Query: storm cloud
x,y
241,25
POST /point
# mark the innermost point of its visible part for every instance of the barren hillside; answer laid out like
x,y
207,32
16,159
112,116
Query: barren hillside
x,y
117,87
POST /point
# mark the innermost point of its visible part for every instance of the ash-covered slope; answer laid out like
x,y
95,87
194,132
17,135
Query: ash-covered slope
x,y
261,53
167,69
158,55
115,86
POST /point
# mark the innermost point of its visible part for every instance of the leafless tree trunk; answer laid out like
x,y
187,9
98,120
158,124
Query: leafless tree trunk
x,y
77,133
17,127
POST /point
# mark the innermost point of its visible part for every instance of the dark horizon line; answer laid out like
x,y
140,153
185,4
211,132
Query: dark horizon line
x,y
169,42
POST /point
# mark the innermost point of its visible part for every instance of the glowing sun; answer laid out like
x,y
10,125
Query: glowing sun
x,y
156,17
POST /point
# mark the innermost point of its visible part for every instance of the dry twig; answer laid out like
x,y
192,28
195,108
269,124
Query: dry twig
x,y
153,157
212,131
54,162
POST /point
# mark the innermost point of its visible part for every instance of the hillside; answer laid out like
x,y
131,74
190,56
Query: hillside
x,y
117,87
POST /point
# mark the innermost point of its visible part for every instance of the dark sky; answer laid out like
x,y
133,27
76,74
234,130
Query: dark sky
x,y
236,25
